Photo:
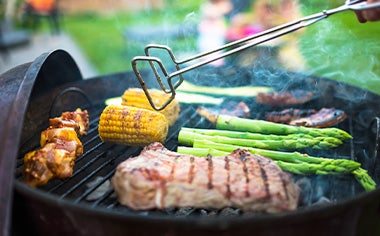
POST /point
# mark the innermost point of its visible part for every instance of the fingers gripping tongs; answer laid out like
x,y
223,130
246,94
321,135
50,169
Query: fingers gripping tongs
x,y
237,46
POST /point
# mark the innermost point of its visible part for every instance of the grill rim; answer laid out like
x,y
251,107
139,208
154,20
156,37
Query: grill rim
x,y
308,212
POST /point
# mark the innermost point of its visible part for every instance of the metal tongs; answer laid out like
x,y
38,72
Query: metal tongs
x,y
242,44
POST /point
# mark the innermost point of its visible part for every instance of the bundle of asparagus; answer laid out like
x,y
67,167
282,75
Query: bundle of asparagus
x,y
266,138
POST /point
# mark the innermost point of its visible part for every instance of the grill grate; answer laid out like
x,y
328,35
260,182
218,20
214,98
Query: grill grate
x,y
93,170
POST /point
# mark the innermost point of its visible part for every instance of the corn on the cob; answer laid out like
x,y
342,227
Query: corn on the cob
x,y
136,97
132,126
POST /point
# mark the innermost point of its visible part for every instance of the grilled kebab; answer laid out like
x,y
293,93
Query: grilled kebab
x,y
60,146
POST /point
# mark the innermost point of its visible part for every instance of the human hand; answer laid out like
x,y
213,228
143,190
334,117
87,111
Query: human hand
x,y
370,14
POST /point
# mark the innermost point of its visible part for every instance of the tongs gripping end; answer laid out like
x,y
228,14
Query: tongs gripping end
x,y
171,89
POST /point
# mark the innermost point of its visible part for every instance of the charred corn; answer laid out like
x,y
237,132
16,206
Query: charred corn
x,y
136,97
132,126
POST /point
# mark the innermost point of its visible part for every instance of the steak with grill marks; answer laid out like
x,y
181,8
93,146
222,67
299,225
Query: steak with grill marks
x,y
159,178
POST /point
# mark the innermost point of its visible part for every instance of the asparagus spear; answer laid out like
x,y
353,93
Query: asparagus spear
x,y
364,179
329,165
245,135
187,136
226,122
200,152
305,168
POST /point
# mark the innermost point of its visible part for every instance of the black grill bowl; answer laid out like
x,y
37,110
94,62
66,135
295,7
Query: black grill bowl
x,y
62,208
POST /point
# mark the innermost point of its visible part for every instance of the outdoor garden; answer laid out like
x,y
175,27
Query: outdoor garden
x,y
338,47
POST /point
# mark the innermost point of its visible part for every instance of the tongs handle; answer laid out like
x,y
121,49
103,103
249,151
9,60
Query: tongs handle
x,y
359,5
236,46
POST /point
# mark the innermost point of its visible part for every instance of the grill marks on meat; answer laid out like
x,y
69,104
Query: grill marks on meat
x,y
191,170
245,170
228,187
210,172
264,178
160,178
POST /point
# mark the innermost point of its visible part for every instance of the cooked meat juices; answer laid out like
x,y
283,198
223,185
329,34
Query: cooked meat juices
x,y
160,178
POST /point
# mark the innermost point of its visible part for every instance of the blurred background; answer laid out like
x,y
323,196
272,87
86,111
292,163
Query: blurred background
x,y
104,35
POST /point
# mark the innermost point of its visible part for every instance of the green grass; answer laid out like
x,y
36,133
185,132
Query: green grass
x,y
339,47
101,40
102,37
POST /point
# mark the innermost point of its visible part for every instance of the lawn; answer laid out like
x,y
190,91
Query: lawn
x,y
103,39
338,48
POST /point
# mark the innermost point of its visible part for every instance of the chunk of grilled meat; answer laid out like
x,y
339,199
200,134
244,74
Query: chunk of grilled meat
x,y
60,146
160,178
287,98
77,119
64,138
52,160
325,117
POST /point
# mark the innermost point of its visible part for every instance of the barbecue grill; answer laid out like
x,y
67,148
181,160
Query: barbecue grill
x,y
85,204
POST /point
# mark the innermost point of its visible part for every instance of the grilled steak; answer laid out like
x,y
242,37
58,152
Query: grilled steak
x,y
160,178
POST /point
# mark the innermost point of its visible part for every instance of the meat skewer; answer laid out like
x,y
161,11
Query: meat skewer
x,y
160,178
60,146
